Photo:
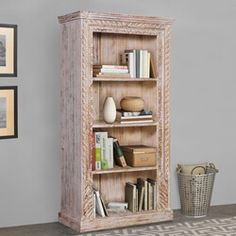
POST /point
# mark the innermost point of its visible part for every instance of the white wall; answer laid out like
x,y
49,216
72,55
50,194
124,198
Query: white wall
x,y
203,98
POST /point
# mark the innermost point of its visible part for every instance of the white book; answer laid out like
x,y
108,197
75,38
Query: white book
x,y
131,64
148,64
110,157
135,121
115,71
104,162
118,205
99,207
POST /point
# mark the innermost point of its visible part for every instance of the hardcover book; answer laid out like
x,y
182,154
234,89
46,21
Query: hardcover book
x,y
130,196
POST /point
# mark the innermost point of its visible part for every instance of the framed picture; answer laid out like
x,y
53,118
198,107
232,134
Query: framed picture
x,y
8,112
8,50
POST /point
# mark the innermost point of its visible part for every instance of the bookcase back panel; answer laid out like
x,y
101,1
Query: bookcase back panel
x,y
112,186
146,90
107,47
135,135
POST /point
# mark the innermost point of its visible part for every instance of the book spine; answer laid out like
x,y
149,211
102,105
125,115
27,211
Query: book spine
x,y
119,156
110,66
137,63
131,64
145,64
104,149
115,71
145,196
99,206
148,64
110,153
141,65
98,151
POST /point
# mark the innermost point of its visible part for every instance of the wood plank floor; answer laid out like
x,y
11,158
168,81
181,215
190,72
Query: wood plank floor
x,y
56,229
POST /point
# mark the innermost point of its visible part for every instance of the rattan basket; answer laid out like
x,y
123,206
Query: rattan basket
x,y
196,191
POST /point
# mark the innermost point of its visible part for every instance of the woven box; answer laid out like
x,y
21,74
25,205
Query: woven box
x,y
139,155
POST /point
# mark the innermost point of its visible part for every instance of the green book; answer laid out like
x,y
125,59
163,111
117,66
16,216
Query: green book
x,y
118,154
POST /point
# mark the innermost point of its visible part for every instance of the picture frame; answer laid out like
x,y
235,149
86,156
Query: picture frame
x,y
8,50
8,112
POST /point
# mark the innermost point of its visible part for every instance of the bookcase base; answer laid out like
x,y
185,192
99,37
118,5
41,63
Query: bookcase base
x,y
111,222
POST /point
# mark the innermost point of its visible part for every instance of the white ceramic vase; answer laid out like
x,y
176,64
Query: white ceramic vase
x,y
109,110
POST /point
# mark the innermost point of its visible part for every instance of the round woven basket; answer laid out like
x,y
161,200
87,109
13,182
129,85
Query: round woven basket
x,y
133,104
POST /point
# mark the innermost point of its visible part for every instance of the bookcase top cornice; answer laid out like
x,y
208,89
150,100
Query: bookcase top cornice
x,y
113,17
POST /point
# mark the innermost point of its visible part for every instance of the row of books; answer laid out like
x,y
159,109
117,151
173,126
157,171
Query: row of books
x,y
111,71
141,195
134,117
138,62
106,149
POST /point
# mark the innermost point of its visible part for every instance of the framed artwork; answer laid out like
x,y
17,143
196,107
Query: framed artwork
x,y
8,50
8,112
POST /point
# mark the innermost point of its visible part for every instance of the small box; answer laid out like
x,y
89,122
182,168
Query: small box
x,y
139,155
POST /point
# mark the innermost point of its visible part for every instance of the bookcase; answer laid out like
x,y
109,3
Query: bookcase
x,y
99,38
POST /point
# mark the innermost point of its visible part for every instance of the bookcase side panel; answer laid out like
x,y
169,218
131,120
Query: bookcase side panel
x,y
164,130
70,119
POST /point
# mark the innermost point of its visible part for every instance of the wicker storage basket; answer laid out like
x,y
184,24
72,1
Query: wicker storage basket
x,y
195,192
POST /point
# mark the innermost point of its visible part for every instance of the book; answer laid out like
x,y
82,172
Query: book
x,y
140,196
99,206
153,72
118,205
154,185
118,154
110,75
98,165
111,71
104,206
110,153
123,113
150,196
103,143
136,121
142,182
136,117
110,66
130,196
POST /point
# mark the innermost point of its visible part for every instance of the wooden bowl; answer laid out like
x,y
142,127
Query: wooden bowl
x,y
132,104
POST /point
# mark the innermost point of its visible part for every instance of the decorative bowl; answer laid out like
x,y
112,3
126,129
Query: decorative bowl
x,y
133,104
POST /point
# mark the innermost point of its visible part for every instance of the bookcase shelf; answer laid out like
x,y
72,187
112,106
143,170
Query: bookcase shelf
x,y
118,169
115,79
89,39
102,124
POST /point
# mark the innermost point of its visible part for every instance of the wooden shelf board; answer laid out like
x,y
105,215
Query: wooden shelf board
x,y
115,79
102,124
127,213
119,169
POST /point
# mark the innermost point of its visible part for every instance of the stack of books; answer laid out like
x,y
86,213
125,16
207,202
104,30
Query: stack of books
x,y
111,71
126,117
142,195
105,150
138,62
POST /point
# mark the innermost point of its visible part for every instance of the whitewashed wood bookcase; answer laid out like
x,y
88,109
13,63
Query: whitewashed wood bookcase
x,y
99,38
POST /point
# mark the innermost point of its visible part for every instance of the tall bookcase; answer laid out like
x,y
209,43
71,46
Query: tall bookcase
x,y
99,38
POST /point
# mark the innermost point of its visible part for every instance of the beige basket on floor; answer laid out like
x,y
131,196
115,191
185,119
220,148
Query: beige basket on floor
x,y
195,192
